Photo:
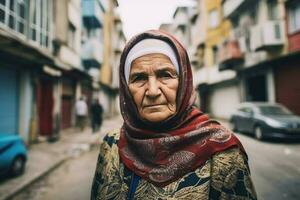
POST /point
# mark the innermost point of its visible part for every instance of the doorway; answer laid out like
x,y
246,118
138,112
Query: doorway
x,y
256,88
45,106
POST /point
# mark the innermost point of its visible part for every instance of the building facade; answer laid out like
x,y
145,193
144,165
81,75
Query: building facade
x,y
242,50
92,41
26,55
114,41
75,82
214,85
266,31
40,68
287,71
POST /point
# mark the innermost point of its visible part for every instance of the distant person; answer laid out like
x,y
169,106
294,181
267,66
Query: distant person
x,y
96,115
81,113
166,147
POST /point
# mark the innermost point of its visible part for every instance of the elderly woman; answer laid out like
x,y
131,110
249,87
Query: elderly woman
x,y
167,148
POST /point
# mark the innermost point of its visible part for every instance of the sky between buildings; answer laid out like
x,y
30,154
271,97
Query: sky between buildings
x,y
140,15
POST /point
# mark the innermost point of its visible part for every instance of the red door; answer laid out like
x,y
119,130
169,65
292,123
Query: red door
x,y
66,113
288,85
45,107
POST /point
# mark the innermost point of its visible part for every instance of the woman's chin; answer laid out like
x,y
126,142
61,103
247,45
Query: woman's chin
x,y
156,116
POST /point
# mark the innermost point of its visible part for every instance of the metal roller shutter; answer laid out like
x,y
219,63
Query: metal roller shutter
x,y
8,101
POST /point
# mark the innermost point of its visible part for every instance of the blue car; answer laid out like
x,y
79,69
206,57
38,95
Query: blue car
x,y
13,155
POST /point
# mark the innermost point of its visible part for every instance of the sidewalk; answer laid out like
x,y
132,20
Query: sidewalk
x,y
44,157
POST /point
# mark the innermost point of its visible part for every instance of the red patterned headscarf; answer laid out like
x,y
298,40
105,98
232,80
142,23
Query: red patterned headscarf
x,y
162,152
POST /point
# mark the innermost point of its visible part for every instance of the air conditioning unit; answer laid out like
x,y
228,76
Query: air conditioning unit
x,y
273,33
268,36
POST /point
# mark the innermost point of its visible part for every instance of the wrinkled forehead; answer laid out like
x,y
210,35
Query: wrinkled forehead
x,y
147,47
152,62
152,59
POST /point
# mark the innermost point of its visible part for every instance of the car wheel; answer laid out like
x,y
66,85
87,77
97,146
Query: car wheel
x,y
18,166
258,133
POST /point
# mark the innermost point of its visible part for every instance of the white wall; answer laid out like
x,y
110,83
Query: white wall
x,y
25,106
74,16
223,101
68,56
271,85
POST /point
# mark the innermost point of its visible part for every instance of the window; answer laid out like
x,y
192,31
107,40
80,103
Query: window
x,y
182,28
13,14
272,10
253,12
29,19
2,11
294,16
21,16
40,15
213,18
215,55
94,33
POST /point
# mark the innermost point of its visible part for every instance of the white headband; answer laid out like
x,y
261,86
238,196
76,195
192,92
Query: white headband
x,y
149,46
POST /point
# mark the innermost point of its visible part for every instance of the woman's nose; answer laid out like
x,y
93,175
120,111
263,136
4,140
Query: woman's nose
x,y
153,89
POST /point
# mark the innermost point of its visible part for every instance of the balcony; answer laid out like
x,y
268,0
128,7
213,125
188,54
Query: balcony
x,y
92,54
254,58
230,55
269,36
294,42
92,13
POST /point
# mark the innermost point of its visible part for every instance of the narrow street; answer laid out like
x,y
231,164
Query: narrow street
x,y
71,181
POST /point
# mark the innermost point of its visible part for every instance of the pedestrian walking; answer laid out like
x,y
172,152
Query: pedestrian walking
x,y
96,115
81,113
167,148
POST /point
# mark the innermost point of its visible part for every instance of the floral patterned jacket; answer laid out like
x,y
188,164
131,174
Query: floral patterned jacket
x,y
225,176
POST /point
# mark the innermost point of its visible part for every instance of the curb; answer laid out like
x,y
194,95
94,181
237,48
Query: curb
x,y
13,192
21,188
36,178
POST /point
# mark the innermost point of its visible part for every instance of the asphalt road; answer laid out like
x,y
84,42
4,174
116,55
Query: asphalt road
x,y
70,181
275,168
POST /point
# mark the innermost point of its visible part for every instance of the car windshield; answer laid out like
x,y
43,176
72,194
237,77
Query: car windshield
x,y
274,110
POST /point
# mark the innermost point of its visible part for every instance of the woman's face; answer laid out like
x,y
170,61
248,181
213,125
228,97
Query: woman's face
x,y
153,83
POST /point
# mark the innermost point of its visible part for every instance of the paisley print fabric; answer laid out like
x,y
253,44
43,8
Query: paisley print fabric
x,y
223,176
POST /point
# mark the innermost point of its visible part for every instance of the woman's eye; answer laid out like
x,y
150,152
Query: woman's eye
x,y
166,75
139,78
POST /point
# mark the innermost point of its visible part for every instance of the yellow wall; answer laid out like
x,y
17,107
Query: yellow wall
x,y
215,36
106,69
